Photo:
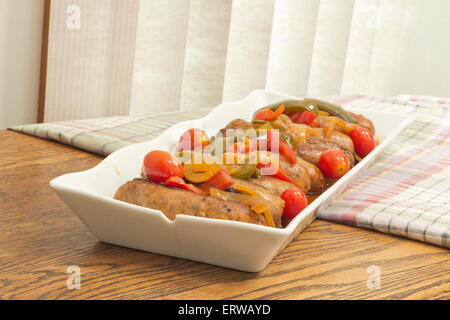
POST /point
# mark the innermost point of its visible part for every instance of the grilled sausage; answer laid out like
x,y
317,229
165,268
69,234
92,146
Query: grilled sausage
x,y
312,150
364,122
318,183
297,172
276,203
174,201
276,186
237,124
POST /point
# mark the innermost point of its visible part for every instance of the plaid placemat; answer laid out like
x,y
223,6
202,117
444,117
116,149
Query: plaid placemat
x,y
106,135
406,192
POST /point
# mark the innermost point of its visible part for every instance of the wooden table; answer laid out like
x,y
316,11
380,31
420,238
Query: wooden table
x,y
40,237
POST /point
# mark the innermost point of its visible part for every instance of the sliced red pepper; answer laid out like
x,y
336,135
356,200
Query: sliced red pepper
x,y
305,117
280,172
282,175
275,114
221,180
295,116
282,147
261,115
269,115
287,151
315,123
177,182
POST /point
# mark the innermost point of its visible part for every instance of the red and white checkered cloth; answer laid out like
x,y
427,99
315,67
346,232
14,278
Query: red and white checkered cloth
x,y
406,192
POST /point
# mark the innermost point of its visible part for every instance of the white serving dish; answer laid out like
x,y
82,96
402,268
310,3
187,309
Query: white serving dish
x,y
231,244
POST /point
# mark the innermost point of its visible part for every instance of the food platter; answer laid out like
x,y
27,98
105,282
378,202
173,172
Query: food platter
x,y
232,244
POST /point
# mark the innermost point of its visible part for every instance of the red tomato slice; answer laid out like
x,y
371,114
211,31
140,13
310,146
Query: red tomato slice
x,y
161,165
333,163
193,139
295,201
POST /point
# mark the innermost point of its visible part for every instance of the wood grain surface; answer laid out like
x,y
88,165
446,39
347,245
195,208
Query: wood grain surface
x,y
40,237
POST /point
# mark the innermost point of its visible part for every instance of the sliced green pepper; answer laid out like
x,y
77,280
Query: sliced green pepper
x,y
332,109
258,123
265,126
291,106
245,172
256,174
287,138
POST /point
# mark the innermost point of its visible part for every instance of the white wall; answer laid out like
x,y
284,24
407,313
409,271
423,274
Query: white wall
x,y
20,57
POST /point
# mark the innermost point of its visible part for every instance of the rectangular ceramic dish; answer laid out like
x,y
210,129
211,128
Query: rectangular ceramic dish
x,y
231,244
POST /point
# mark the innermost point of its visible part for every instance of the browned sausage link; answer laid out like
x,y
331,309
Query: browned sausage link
x,y
237,124
312,150
318,183
275,185
300,173
364,122
173,201
266,193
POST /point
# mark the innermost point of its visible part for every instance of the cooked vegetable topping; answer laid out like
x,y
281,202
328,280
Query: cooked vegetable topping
x,y
177,182
256,202
331,109
297,141
292,106
221,180
363,141
278,171
268,114
295,201
200,172
305,117
333,163
245,172
161,165
276,144
193,139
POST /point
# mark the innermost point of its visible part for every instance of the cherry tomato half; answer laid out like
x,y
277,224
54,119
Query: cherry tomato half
x,y
161,165
363,141
193,139
295,201
333,163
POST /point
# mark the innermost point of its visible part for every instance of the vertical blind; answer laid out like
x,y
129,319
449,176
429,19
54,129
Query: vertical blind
x,y
149,56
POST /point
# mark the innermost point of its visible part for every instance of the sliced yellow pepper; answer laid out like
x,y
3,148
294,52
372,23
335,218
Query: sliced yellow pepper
x,y
200,172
